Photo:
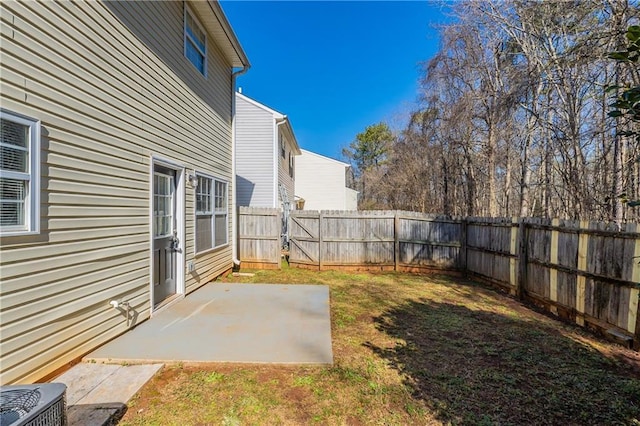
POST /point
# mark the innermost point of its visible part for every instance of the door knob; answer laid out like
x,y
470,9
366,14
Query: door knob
x,y
175,243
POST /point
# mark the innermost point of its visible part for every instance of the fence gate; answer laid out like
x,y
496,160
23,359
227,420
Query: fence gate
x,y
259,244
304,241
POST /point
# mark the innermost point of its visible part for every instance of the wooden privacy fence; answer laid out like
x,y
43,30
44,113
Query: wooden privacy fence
x,y
587,272
259,243
382,240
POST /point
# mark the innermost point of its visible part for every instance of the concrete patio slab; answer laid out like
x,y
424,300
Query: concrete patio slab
x,y
244,323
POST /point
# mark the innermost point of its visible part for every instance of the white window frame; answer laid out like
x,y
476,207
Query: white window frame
x,y
189,40
214,212
31,177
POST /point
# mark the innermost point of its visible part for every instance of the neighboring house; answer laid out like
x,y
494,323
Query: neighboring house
x,y
116,175
351,199
266,149
321,183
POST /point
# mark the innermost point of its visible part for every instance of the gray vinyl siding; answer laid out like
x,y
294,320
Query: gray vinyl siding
x,y
254,155
283,171
107,102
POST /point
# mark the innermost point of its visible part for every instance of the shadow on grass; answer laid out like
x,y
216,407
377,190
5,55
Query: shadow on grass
x,y
477,367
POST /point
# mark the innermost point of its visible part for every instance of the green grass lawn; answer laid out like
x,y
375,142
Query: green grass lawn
x,y
411,349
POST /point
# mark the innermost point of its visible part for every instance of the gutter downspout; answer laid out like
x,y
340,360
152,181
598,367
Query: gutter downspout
x,y
234,220
279,122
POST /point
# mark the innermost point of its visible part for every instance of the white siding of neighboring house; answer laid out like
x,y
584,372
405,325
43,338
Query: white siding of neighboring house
x,y
258,155
108,99
254,155
320,181
351,199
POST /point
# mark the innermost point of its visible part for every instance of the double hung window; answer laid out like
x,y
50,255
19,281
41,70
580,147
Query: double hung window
x,y
195,42
211,213
19,174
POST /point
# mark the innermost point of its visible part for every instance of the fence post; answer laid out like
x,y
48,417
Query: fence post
x,y
581,280
513,250
553,272
634,295
463,245
396,241
320,217
522,258
278,246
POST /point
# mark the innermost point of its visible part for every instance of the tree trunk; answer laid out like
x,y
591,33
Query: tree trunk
x,y
491,172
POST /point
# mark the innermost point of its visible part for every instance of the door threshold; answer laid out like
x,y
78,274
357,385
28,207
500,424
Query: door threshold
x,y
166,303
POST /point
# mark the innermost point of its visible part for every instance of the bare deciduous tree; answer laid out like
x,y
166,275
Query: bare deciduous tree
x,y
514,116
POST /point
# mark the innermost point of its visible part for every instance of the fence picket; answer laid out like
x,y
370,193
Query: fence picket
x,y
633,319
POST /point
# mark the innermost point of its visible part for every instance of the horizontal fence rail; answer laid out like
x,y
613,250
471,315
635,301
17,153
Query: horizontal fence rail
x,y
587,272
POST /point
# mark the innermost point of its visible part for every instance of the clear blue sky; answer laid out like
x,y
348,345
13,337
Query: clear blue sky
x,y
335,67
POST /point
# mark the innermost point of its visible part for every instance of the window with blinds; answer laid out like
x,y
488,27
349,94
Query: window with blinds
x,y
19,174
211,213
